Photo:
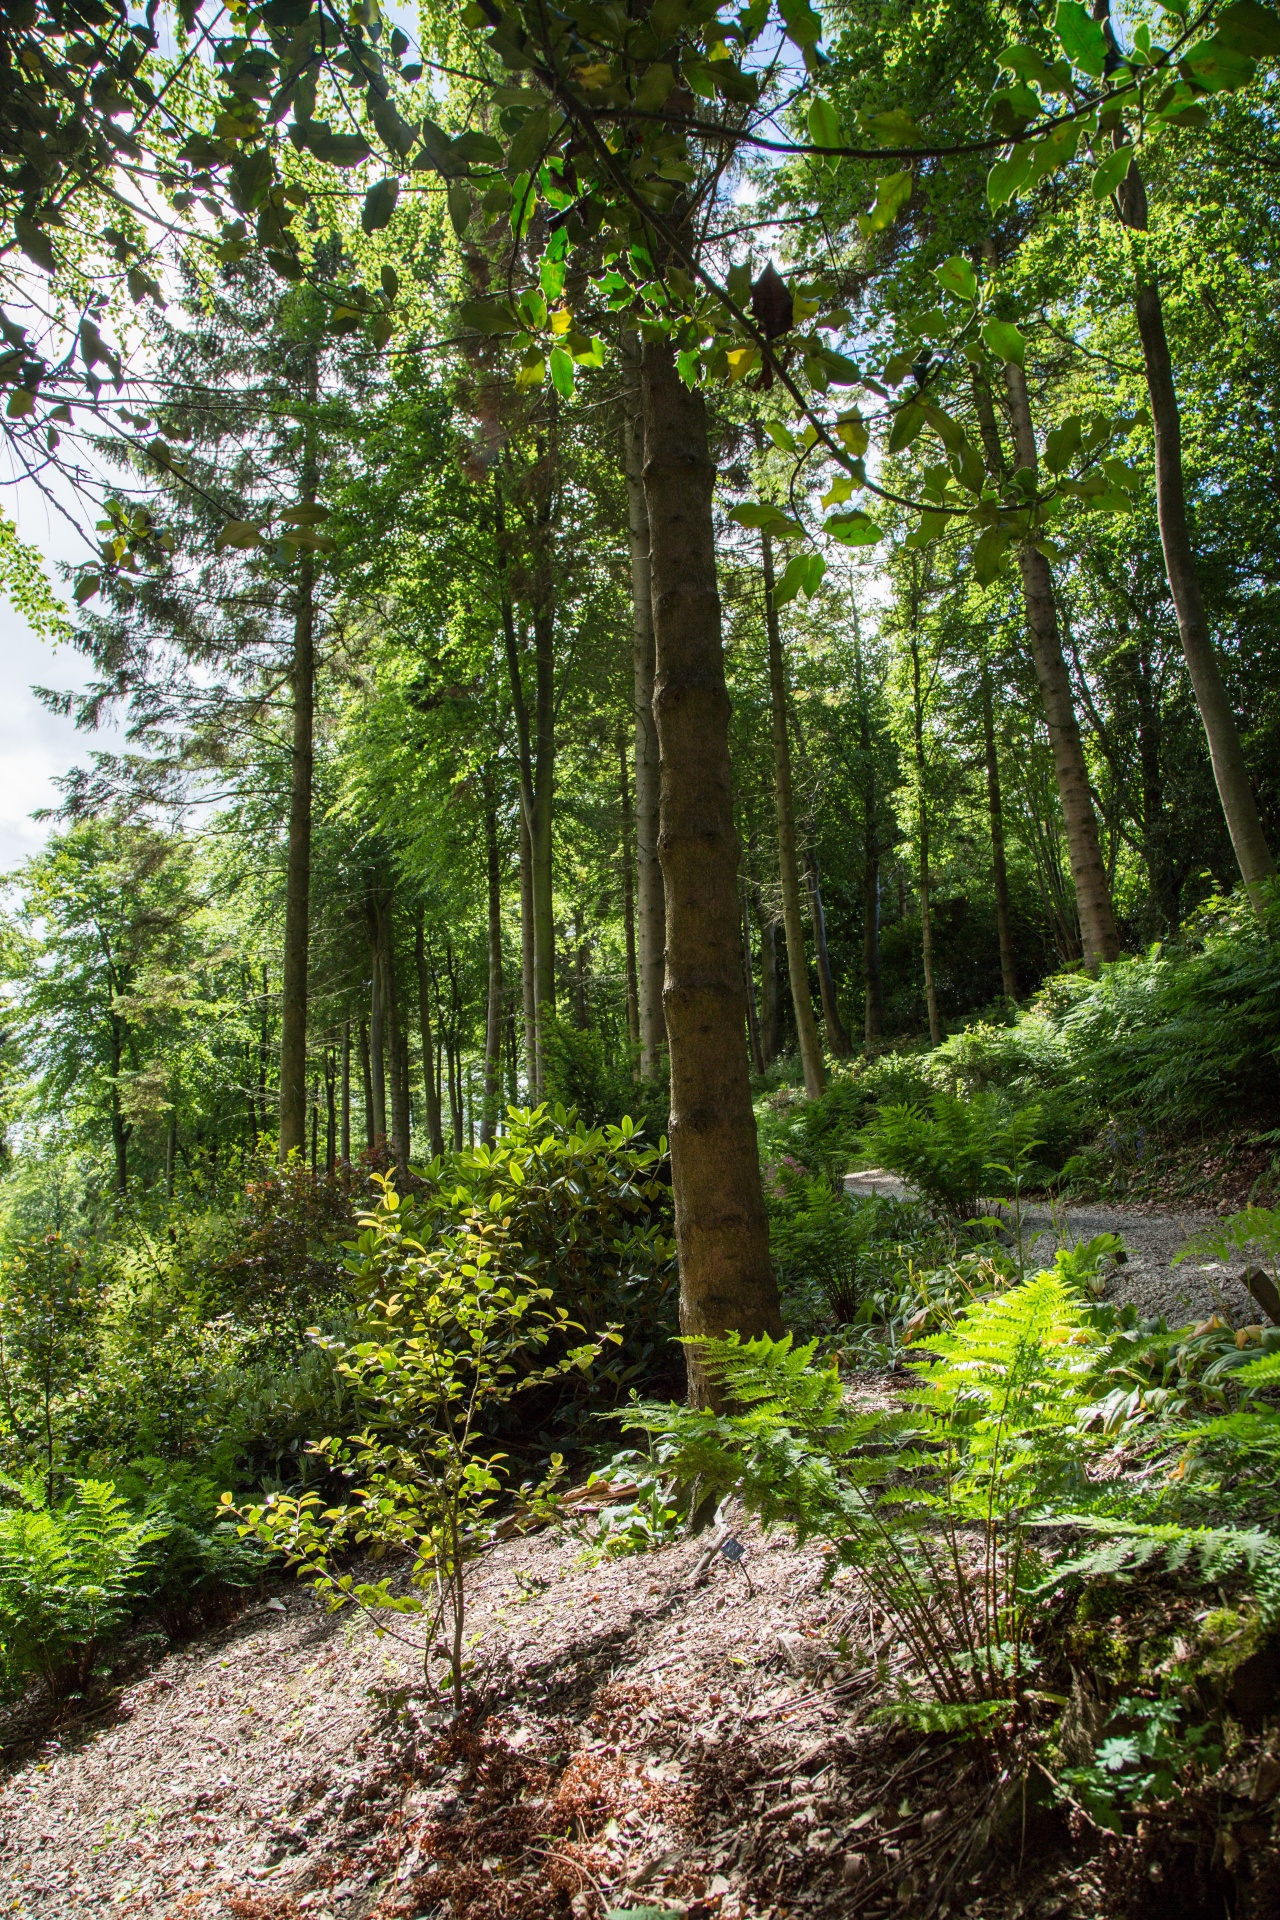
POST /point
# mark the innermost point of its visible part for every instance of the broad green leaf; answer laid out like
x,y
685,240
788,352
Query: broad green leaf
x,y
460,207
949,431
1108,176
838,492
655,87
770,519
287,265
1007,176
1062,444
893,190
786,588
1082,38
21,403
780,435
380,204
841,371
989,554
34,242
731,83
932,526
487,316
851,431
531,374
1056,149
742,361
1248,28
853,529
1027,64
892,129
86,586
477,149
241,534
527,146
1218,67
802,23
1004,340
562,373
958,277
825,126
908,422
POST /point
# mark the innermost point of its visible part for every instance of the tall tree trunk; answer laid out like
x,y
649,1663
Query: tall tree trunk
x,y
748,974
297,899
453,1047
528,976
629,915
493,1010
1093,897
995,814
1155,822
837,1033
120,1128
396,1051
815,1078
1239,807
435,1136
346,1093
922,823
377,1046
315,1129
579,970
263,1036
331,1112
872,992
453,1075
651,905
722,1231
770,991
170,1151
366,1075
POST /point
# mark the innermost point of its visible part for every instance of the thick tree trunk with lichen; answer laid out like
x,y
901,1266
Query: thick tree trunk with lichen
x,y
726,1277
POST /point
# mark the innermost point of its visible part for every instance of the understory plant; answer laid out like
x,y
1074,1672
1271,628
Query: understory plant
x,y
934,1501
450,1336
957,1149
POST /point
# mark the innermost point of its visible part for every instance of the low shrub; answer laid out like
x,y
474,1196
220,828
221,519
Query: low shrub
x,y
957,1150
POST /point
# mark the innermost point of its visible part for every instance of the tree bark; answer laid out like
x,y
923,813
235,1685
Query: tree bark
x,y
995,814
651,908
377,1044
1226,753
629,915
396,1046
922,828
346,1093
837,1033
815,1078
1093,898
528,977
330,1112
748,974
435,1136
297,905
366,1076
493,1008
722,1233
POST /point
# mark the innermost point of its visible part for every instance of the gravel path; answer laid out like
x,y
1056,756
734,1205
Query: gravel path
x,y
1149,1278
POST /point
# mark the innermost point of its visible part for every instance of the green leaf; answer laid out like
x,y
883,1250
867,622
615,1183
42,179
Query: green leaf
x,y
842,371
379,205
1108,176
1082,38
334,149
989,554
1004,340
287,265
655,87
1248,28
487,316
780,435
908,422
20,404
893,190
1216,65
825,126
958,277
892,129
770,519
526,148
1007,176
853,529
562,373
460,207
86,586
241,534
802,23
1062,444
390,280
34,242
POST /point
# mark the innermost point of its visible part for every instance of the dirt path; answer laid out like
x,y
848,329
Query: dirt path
x,y
1186,1292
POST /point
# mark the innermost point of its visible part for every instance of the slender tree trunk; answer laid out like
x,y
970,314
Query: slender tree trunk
x,y
435,1136
1093,898
815,1078
370,1121
346,1093
453,1048
722,1231
1155,823
528,974
119,1126
770,991
331,1113
837,1033
629,917
455,1095
579,970
922,828
315,1129
263,1050
170,1151
651,905
540,825
493,1010
377,1047
748,974
297,905
396,1047
995,813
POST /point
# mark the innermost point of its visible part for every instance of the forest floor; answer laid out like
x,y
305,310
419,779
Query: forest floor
x,y
662,1731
